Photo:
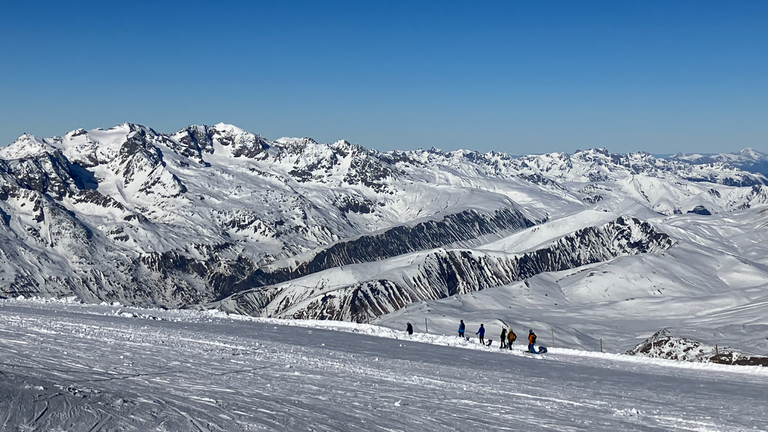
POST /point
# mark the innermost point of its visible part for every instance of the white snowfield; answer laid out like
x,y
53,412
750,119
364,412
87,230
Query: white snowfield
x,y
74,367
711,286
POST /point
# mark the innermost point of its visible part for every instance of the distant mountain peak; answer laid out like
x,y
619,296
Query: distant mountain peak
x,y
753,154
25,146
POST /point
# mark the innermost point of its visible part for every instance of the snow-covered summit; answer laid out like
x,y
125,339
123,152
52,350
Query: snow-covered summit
x,y
25,146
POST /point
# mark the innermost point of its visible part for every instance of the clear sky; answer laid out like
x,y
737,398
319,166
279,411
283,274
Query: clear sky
x,y
513,76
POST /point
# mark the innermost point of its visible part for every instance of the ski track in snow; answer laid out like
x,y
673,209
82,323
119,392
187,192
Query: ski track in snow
x,y
90,368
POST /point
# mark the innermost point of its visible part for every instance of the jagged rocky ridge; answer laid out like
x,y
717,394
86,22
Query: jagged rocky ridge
x,y
443,273
458,227
132,215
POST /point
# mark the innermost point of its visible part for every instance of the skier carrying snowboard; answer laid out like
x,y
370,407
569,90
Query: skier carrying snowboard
x,y
531,341
511,336
461,329
503,338
481,333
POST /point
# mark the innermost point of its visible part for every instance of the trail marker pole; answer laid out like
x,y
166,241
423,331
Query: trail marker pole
x,y
553,336
426,329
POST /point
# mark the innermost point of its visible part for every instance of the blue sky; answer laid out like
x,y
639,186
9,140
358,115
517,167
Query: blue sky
x,y
512,76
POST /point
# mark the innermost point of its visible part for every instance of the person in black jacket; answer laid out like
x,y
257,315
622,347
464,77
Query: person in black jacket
x,y
409,329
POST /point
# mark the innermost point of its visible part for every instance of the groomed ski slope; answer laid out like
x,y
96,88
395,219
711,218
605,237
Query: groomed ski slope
x,y
68,366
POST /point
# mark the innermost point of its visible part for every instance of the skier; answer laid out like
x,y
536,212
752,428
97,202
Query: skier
x,y
461,329
531,341
511,336
503,338
409,329
481,333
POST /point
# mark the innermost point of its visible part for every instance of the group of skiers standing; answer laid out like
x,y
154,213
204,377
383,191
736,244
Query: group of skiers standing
x,y
507,337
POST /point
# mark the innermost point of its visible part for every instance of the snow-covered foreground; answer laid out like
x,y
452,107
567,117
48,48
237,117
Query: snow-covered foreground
x,y
85,367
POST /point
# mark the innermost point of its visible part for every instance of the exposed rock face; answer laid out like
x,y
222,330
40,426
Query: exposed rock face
x,y
48,173
132,215
401,240
663,344
443,273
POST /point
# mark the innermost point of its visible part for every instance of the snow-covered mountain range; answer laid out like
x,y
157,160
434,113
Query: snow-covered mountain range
x,y
215,216
747,159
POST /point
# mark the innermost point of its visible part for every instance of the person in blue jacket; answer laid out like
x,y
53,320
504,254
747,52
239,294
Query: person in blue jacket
x,y
461,329
481,333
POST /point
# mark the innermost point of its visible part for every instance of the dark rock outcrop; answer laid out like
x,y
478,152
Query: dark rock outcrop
x,y
445,273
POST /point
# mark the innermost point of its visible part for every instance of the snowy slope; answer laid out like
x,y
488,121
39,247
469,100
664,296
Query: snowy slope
x,y
711,286
93,368
216,216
